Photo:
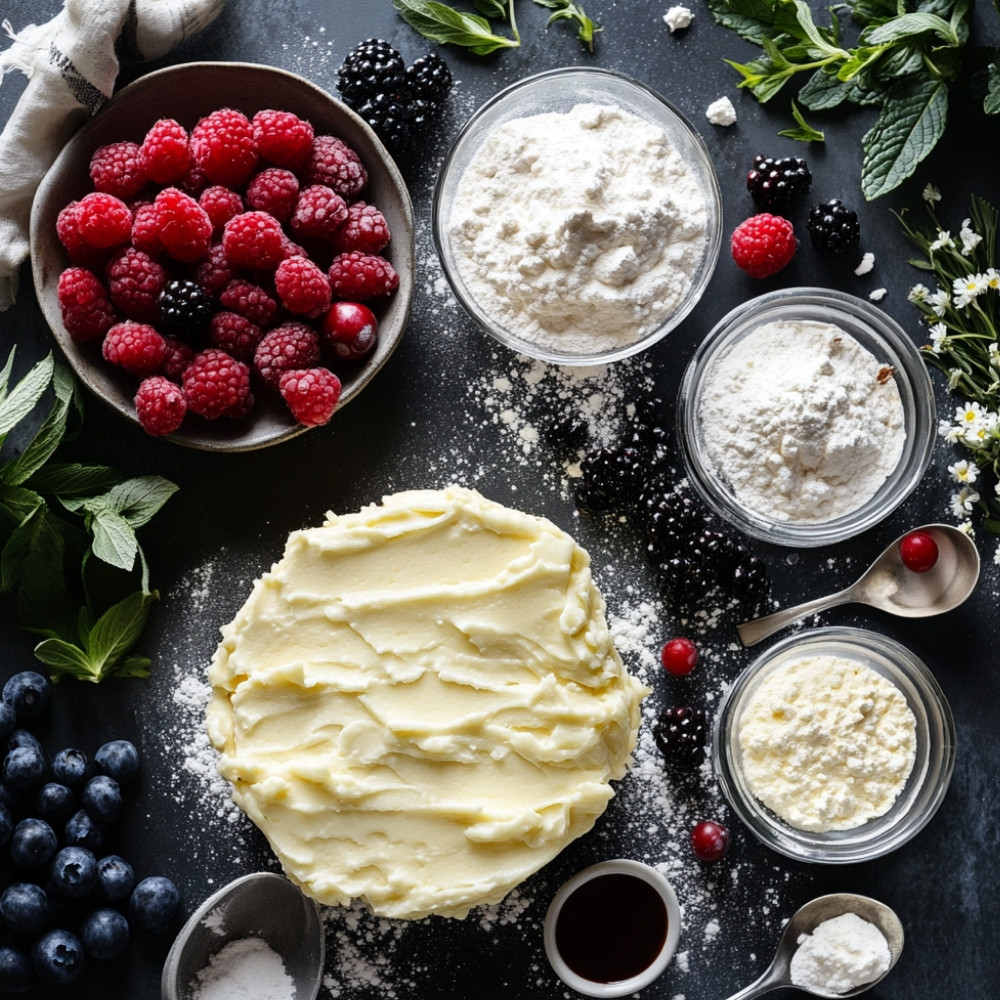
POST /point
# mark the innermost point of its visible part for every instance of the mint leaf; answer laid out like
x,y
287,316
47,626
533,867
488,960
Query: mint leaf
x,y
70,479
805,132
118,629
444,24
991,103
137,500
64,659
48,437
114,539
908,25
823,91
21,400
911,122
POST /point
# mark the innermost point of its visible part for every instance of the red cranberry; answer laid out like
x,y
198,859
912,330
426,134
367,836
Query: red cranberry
x,y
709,841
351,330
679,656
919,551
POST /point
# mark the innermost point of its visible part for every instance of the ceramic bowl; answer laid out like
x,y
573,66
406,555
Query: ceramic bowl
x,y
186,93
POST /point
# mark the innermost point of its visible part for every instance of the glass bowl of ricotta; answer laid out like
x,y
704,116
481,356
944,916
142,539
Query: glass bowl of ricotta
x,y
578,216
806,416
835,746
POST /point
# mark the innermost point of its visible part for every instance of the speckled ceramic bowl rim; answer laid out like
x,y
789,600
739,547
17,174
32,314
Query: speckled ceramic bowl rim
x,y
579,83
925,788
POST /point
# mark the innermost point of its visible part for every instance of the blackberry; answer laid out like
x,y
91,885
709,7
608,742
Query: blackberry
x,y
567,432
185,309
612,477
833,228
681,734
429,79
370,68
778,183
389,116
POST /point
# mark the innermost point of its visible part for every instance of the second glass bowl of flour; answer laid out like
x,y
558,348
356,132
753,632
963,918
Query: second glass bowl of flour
x,y
578,217
806,416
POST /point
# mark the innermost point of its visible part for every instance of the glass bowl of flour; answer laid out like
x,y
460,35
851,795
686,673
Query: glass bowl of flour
x,y
806,416
578,217
835,746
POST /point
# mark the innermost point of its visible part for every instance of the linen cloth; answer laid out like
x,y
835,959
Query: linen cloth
x,y
71,63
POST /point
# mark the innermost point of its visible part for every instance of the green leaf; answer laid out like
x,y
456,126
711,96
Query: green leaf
x,y
22,398
795,18
911,122
747,25
492,8
908,26
114,539
137,500
47,438
444,24
16,505
805,132
65,660
119,628
991,103
70,479
823,91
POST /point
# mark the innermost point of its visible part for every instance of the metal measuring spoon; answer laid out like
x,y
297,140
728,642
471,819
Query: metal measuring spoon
x,y
805,920
263,905
888,585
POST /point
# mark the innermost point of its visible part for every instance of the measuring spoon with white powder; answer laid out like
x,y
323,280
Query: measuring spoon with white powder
x,y
889,586
804,921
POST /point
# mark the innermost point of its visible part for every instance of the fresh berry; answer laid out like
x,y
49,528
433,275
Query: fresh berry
x,y
429,79
235,334
16,975
679,656
23,767
102,798
28,692
282,138
364,230
195,180
166,152
217,385
184,228
185,309
918,551
178,356
253,240
146,229
275,191
137,347
118,169
118,759
222,144
115,879
318,212
33,843
681,734
778,183
71,767
358,276
24,908
250,300
302,287
104,933
333,163
709,841
160,405
153,903
833,228
213,272
57,958
87,311
73,872
84,831
135,282
68,231
55,803
372,67
289,347
763,244
351,330
222,204
104,221
311,394
389,116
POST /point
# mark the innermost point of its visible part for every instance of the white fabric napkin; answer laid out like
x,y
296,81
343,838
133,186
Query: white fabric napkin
x,y
71,63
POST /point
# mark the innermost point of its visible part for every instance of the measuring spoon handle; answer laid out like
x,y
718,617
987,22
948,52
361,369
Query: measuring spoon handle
x,y
772,979
760,628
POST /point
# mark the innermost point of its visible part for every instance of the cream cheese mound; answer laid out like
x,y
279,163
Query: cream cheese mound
x,y
840,954
421,704
826,743
721,112
678,18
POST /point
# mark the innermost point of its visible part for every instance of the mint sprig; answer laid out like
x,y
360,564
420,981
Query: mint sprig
x,y
69,554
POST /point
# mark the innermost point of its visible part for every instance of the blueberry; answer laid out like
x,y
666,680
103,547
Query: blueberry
x,y
74,872
55,803
102,798
22,738
153,903
15,971
71,767
118,759
28,691
8,797
33,843
24,767
115,879
57,958
25,907
6,823
104,933
8,717
82,830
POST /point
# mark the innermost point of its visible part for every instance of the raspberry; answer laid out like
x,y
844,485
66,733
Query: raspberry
x,y
87,312
235,335
250,300
160,405
78,249
135,282
178,357
222,145
104,220
185,230
333,163
302,286
146,229
318,212
274,191
311,395
195,180
213,272
136,347
360,276
254,240
282,138
833,228
285,348
776,184
166,152
118,169
763,244
217,385
185,308
364,229
221,204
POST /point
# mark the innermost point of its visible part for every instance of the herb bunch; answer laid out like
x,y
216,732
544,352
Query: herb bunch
x,y
962,313
906,55
69,555
443,23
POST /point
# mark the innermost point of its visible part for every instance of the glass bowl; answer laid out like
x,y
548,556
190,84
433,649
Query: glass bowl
x,y
873,330
559,91
924,789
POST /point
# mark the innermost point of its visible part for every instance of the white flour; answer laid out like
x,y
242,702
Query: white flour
x,y
841,954
579,232
246,967
801,421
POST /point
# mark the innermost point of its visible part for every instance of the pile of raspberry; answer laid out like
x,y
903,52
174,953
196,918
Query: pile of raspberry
x,y
227,262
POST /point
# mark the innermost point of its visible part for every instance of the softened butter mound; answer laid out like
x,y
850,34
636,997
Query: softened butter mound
x,y
421,704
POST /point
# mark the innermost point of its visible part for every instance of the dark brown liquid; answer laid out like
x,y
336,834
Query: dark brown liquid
x,y
611,928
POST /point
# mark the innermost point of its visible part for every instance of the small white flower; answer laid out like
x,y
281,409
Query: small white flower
x,y
967,289
996,556
939,301
954,377
967,528
918,293
993,352
971,413
996,487
950,432
930,194
963,501
992,277
964,471
943,240
970,239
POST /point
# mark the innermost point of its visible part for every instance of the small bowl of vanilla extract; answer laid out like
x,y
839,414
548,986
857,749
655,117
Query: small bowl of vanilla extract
x,y
613,928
